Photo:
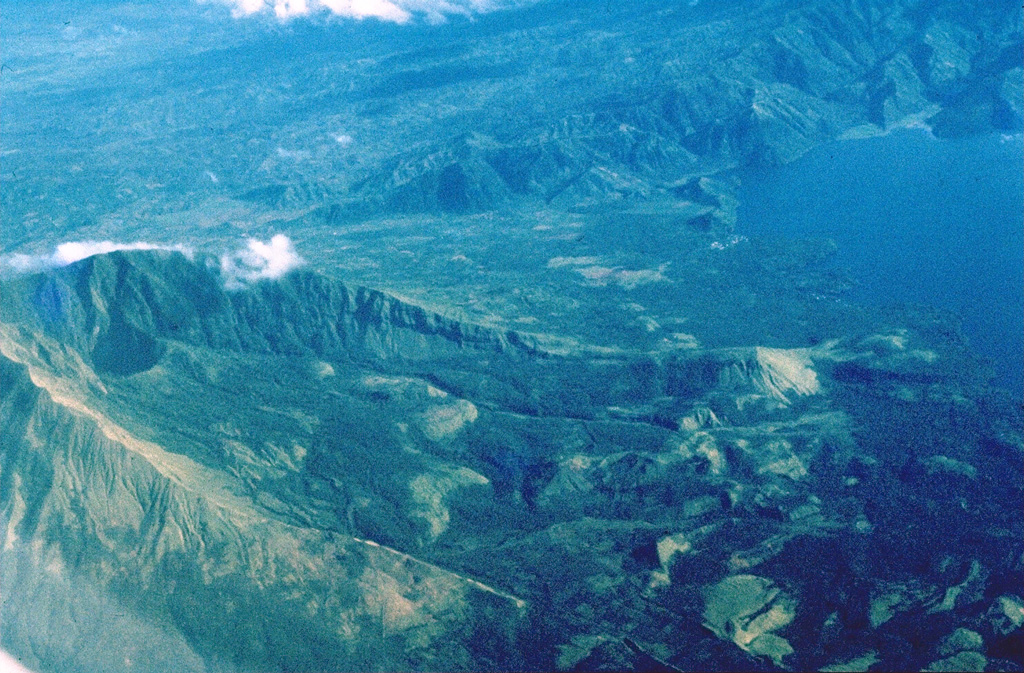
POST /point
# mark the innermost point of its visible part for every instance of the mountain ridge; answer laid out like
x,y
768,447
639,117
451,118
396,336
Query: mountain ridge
x,y
696,467
121,297
190,510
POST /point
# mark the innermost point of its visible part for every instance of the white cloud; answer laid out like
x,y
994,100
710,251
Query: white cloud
x,y
381,9
397,11
289,8
71,252
259,261
256,261
9,664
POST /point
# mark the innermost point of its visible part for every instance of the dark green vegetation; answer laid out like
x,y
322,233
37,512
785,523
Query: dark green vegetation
x,y
582,427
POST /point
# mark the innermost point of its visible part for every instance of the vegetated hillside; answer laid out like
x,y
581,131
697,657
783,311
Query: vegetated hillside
x,y
305,475
553,106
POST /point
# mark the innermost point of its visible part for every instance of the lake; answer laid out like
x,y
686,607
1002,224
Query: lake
x,y
917,220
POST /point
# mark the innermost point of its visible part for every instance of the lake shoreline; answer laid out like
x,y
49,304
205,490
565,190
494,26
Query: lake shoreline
x,y
875,196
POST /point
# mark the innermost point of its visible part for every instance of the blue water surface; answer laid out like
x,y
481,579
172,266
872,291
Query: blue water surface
x,y
917,220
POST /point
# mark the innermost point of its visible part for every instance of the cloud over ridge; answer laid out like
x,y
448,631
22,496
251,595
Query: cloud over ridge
x,y
259,261
71,252
396,11
256,261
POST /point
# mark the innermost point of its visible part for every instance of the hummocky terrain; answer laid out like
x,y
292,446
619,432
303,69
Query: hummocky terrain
x,y
531,404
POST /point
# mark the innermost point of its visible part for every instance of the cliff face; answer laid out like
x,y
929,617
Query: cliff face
x,y
303,475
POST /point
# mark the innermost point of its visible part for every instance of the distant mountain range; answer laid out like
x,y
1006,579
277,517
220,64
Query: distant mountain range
x,y
550,106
